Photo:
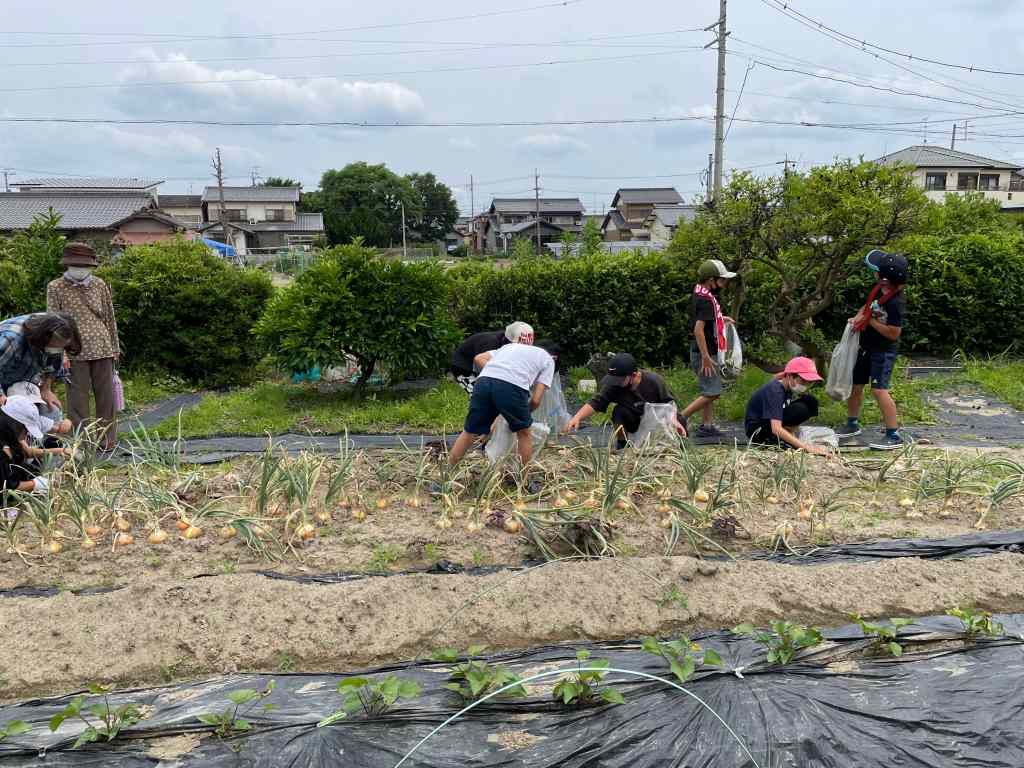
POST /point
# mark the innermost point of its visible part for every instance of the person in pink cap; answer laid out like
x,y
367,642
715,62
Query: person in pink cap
x,y
776,410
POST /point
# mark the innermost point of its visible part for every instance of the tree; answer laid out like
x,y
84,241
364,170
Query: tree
x,y
438,211
277,181
591,239
796,239
365,201
29,260
351,301
968,214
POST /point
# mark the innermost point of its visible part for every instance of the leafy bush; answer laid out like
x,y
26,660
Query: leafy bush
x,y
353,302
601,302
29,260
965,292
183,310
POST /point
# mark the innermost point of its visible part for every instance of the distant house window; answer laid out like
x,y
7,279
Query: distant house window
x,y
275,214
235,214
966,181
989,181
935,181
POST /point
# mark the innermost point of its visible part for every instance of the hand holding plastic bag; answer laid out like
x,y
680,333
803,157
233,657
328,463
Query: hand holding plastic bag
x,y
657,424
553,410
839,383
503,439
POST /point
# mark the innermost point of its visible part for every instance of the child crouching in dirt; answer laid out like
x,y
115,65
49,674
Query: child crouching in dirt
x,y
777,409
511,383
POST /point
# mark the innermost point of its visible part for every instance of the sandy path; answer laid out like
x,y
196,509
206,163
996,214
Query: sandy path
x,y
246,622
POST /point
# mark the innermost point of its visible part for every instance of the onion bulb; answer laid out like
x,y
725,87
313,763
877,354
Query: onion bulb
x,y
93,531
306,531
906,501
228,532
123,540
382,503
323,517
511,525
358,514
183,524
666,522
520,505
88,543
772,500
622,505
415,502
665,494
591,502
54,547
474,526
570,496
158,536
193,532
122,525
560,503
664,509
701,496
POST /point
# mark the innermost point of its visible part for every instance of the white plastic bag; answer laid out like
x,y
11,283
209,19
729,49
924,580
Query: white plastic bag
x,y
656,424
731,358
819,436
503,440
839,383
553,409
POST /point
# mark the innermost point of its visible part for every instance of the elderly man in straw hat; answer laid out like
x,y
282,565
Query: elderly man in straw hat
x,y
79,293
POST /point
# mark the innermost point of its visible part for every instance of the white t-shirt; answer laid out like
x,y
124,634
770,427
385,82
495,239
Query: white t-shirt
x,y
521,364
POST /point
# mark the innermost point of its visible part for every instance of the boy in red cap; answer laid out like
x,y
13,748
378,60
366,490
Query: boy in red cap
x,y
776,410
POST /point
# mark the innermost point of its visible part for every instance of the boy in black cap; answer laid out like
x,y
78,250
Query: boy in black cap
x,y
880,323
630,389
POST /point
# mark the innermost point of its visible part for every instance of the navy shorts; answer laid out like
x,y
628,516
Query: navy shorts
x,y
493,398
874,367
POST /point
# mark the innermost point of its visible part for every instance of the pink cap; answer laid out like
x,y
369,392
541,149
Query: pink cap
x,y
803,367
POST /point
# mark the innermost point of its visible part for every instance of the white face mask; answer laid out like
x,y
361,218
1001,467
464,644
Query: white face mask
x,y
54,350
799,389
79,273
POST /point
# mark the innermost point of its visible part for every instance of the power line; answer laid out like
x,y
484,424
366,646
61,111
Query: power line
x,y
159,38
736,106
865,44
896,64
586,42
279,78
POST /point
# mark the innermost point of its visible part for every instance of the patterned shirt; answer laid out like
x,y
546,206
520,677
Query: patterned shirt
x,y
90,304
18,361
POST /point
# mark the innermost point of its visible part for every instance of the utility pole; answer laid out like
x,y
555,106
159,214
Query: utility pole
x,y
7,187
255,175
472,214
719,100
405,249
218,171
711,175
536,197
952,142
785,165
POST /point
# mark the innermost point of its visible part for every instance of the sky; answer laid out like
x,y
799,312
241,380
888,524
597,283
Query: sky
x,y
613,65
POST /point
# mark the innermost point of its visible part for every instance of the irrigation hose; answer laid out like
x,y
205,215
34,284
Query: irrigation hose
x,y
572,670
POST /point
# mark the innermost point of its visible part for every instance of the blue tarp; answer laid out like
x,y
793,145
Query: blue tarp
x,y
222,248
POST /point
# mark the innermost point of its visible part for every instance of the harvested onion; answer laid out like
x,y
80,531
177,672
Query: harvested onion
x,y
123,540
665,522
664,508
54,547
570,496
906,501
382,503
511,525
93,531
358,514
591,502
560,503
183,524
415,502
701,496
228,532
193,532
158,536
474,526
306,531
443,523
323,516
122,525
88,543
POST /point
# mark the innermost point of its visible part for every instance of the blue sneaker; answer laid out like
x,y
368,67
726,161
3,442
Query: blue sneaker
x,y
888,443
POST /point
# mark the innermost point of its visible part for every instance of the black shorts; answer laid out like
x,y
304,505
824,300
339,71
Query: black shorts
x,y
875,367
798,411
492,398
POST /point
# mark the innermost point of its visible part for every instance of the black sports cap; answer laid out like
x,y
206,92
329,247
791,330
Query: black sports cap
x,y
621,367
891,266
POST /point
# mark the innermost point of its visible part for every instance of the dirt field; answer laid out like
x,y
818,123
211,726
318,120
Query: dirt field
x,y
163,623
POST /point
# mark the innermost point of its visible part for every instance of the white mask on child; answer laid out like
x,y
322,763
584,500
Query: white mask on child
x,y
799,389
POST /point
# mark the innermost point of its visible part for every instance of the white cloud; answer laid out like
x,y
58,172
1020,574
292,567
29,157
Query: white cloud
x,y
551,145
248,93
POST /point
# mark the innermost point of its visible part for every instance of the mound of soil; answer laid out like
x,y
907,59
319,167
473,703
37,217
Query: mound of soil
x,y
159,629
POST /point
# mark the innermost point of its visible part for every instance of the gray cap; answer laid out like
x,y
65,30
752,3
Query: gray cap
x,y
24,411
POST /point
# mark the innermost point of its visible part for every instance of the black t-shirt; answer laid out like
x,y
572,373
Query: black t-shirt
x,y
652,389
766,404
12,470
701,308
892,314
487,341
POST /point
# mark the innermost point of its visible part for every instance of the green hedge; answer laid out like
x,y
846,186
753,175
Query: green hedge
x,y
182,310
627,302
966,292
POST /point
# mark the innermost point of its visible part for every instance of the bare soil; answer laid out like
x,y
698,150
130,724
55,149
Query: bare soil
x,y
166,623
161,628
